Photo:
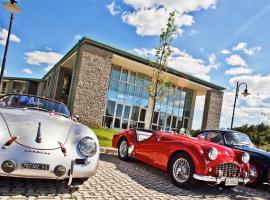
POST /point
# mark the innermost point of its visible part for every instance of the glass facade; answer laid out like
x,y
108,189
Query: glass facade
x,y
127,99
127,103
173,112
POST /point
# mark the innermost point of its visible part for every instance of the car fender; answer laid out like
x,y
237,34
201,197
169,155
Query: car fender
x,y
129,135
194,151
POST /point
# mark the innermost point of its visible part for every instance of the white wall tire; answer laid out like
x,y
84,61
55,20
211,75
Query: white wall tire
x,y
123,150
181,171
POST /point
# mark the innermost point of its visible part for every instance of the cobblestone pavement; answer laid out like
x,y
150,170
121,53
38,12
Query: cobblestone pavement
x,y
116,179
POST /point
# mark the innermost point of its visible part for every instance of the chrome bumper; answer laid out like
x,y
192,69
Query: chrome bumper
x,y
219,179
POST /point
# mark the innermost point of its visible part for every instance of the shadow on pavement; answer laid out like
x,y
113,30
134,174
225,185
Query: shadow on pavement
x,y
154,179
10,186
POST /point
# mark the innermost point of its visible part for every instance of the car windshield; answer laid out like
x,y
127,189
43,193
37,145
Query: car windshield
x,y
33,102
237,138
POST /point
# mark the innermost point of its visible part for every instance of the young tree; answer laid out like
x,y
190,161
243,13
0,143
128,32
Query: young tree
x,y
159,87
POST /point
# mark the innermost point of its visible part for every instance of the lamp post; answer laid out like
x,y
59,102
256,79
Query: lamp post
x,y
13,8
245,93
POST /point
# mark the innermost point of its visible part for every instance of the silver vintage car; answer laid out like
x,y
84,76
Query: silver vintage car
x,y
40,139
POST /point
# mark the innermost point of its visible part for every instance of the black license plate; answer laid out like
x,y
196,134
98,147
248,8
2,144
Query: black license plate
x,y
36,166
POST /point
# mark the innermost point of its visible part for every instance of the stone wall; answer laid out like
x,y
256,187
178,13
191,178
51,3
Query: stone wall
x,y
93,73
212,109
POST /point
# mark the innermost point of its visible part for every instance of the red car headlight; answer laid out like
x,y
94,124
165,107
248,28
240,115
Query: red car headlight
x,y
213,153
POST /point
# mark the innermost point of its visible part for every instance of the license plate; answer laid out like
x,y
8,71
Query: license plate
x,y
231,181
36,166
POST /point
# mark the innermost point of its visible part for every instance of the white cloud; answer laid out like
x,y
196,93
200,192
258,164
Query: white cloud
x,y
143,20
184,62
113,8
238,71
244,114
243,46
27,71
149,16
42,58
3,37
248,109
225,52
258,86
77,37
213,61
144,52
236,60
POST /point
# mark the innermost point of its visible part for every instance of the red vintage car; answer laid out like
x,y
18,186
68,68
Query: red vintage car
x,y
187,159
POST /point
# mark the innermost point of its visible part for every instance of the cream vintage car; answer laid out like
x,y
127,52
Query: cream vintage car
x,y
40,139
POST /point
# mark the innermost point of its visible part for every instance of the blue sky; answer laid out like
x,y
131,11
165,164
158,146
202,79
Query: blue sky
x,y
221,41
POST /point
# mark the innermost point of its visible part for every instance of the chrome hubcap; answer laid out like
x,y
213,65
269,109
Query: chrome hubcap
x,y
123,149
181,170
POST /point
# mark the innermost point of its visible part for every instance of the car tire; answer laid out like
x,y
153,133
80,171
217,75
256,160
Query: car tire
x,y
123,150
182,164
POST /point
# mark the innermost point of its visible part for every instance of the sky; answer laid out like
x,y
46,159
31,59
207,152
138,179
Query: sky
x,y
220,41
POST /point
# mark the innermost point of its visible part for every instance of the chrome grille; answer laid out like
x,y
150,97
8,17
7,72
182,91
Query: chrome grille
x,y
228,169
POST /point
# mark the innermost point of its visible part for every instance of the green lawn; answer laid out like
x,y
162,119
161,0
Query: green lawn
x,y
104,136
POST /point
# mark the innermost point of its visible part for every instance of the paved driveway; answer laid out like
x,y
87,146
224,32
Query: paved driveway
x,y
116,179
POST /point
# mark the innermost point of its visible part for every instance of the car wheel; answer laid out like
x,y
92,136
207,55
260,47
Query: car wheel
x,y
181,171
123,150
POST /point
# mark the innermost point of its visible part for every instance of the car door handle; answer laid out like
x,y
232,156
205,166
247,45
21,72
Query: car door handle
x,y
158,139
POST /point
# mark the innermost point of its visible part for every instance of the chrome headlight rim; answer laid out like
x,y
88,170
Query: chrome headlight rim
x,y
245,158
213,153
81,145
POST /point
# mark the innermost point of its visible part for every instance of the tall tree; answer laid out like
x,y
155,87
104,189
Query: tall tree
x,y
159,87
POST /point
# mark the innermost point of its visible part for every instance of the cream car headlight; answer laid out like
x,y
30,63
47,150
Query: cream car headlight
x,y
213,153
88,147
245,157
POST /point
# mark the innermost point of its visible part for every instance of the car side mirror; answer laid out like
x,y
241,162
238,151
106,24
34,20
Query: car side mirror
x,y
76,117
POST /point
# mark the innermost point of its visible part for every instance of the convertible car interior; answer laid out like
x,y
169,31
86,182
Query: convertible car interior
x,y
143,134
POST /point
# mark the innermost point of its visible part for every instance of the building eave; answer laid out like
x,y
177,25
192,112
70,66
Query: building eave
x,y
21,78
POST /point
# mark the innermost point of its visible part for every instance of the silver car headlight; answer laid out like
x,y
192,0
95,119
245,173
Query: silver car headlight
x,y
213,153
88,147
245,157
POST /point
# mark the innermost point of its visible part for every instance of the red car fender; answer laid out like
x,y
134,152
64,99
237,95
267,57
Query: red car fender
x,y
194,151
129,135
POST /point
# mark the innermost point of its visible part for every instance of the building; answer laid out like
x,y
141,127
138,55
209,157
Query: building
x,y
106,87
19,85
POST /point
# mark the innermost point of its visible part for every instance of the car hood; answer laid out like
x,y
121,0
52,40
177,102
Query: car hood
x,y
37,129
206,145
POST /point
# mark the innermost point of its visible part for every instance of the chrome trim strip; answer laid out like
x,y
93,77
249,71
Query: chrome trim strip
x,y
218,180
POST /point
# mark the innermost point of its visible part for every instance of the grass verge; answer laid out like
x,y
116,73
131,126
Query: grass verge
x,y
105,136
